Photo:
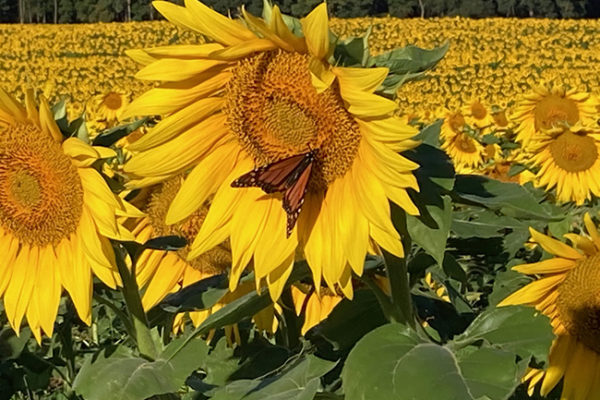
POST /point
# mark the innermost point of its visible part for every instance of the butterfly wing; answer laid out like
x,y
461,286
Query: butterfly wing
x,y
293,198
289,176
274,177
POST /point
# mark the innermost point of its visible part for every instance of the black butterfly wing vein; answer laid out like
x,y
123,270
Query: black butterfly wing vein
x,y
289,176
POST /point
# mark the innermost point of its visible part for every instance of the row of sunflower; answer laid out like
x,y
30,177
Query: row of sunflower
x,y
499,58
262,221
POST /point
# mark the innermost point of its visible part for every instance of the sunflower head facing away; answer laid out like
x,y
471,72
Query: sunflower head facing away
x,y
56,217
546,108
567,291
256,95
568,158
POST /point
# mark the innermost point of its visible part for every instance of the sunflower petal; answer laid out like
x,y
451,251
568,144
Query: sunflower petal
x,y
315,27
554,246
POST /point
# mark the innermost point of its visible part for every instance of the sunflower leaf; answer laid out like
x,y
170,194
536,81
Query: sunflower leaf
x,y
519,329
126,377
299,380
417,369
509,198
111,136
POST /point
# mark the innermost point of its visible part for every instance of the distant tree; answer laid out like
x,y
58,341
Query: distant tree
x,y
9,11
507,8
404,8
475,9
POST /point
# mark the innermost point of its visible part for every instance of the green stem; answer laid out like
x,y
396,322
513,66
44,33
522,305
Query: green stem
x,y
397,273
133,301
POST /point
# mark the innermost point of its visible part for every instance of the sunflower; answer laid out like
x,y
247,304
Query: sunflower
x,y
253,96
56,217
464,150
568,159
477,115
162,272
544,108
315,307
109,105
567,292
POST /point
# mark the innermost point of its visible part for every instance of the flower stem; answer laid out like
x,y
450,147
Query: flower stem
x,y
133,301
397,273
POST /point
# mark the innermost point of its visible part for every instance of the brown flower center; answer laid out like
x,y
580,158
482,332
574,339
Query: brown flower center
x,y
478,111
573,152
41,196
553,109
112,101
214,261
500,119
456,122
275,112
465,143
578,302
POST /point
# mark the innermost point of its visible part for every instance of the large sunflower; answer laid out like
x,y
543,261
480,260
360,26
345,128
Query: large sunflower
x,y
544,108
567,292
568,159
162,272
56,216
465,151
258,94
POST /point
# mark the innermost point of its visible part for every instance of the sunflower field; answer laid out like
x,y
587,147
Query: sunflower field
x,y
265,207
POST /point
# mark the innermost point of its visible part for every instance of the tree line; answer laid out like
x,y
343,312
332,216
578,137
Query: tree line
x,y
82,11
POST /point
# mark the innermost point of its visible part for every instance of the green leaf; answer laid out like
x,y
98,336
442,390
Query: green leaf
x,y
348,322
300,380
431,133
12,345
353,51
436,172
60,116
430,230
519,329
111,136
511,199
392,362
505,283
247,305
119,375
410,59
482,223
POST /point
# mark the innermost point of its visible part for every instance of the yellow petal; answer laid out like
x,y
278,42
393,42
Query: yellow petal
x,y
216,26
582,243
278,25
8,248
47,121
533,292
48,289
183,51
554,246
12,106
203,181
277,278
579,373
362,79
243,50
81,289
272,247
550,266
215,228
178,122
153,101
140,56
259,26
190,147
177,15
315,27
367,105
18,292
169,272
592,230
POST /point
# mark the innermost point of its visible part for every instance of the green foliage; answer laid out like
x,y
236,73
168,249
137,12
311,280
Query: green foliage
x,y
70,11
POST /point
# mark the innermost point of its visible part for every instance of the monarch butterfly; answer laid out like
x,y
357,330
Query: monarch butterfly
x,y
289,176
